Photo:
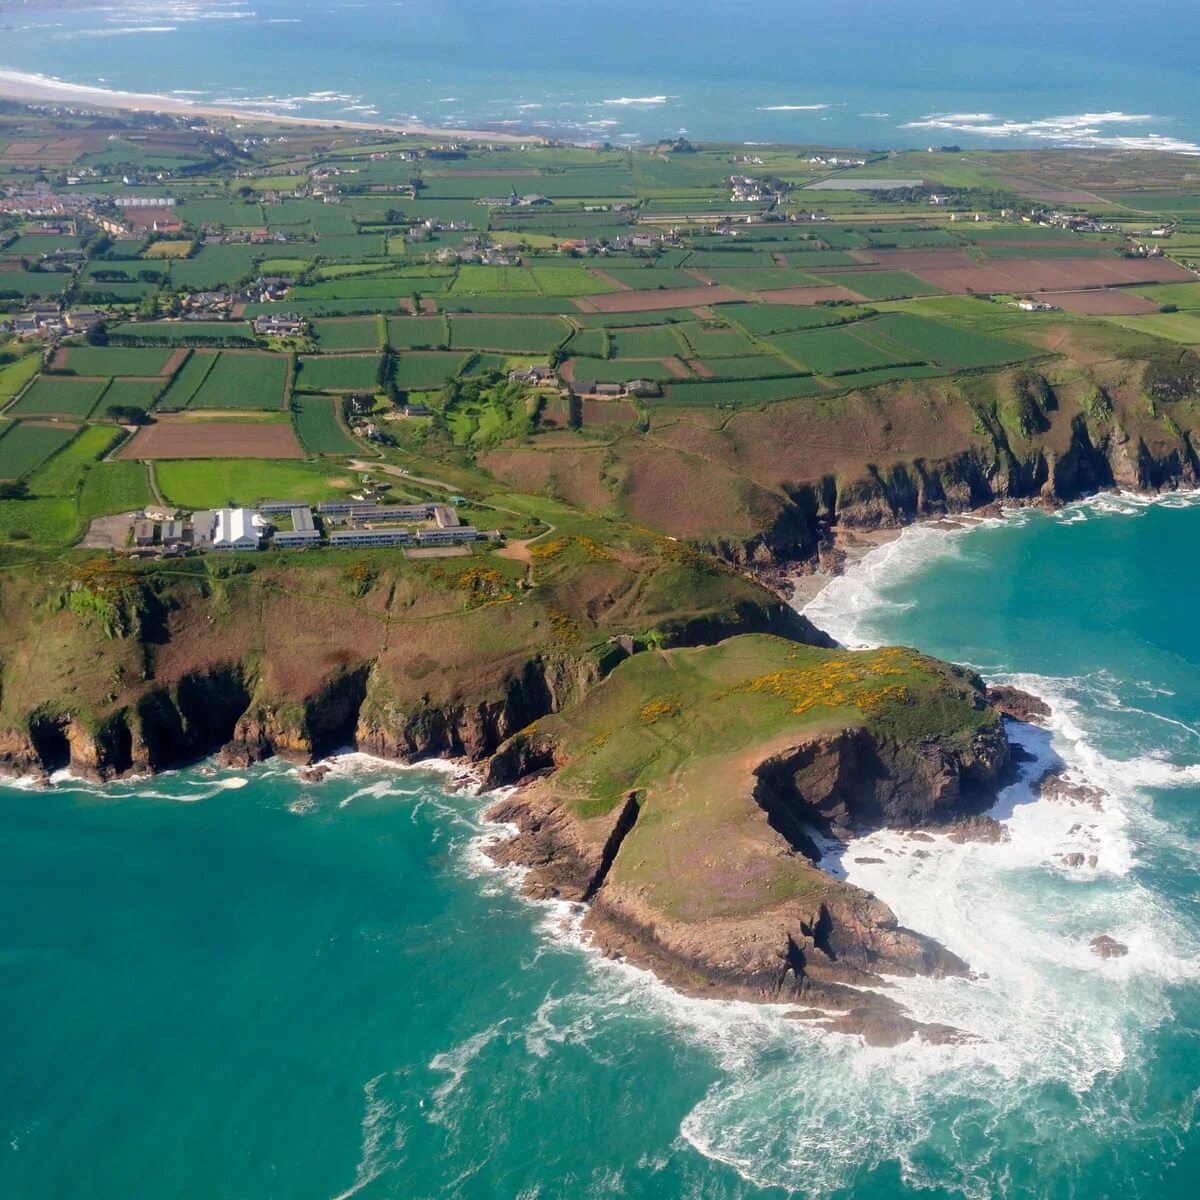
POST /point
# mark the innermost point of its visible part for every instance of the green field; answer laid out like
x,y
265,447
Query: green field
x,y
510,335
834,350
102,360
588,341
1175,327
1182,295
60,396
114,487
733,394
182,332
751,366
187,383
15,375
354,333
411,333
948,345
211,483
492,279
426,372
243,380
659,341
751,280
319,429
338,373
63,474
25,447
608,370
568,281
881,285
39,522
717,341
645,279
138,393
761,320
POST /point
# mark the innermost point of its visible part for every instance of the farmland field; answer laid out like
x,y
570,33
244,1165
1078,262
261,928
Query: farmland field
x,y
409,333
650,278
1175,327
139,393
15,375
751,280
513,335
319,428
59,395
355,333
739,392
607,370
61,475
761,320
830,351
426,372
114,487
948,345
653,342
187,383
492,279
338,373
26,446
182,332
244,481
212,439
98,360
513,302
568,281
243,380
615,320
709,341
881,285
1182,295
588,341
752,366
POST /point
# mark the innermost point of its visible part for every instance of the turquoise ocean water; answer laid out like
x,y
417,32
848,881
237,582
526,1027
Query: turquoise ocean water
x,y
235,984
863,72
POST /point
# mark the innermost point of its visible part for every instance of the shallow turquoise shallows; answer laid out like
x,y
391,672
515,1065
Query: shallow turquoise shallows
x,y
239,985
869,73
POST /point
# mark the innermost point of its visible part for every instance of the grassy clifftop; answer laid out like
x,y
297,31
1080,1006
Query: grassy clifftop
x,y
405,657
686,790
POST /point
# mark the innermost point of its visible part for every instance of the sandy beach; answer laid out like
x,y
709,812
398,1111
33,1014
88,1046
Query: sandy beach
x,y
19,85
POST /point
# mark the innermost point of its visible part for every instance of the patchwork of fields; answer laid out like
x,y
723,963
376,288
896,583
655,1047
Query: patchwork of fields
x,y
425,288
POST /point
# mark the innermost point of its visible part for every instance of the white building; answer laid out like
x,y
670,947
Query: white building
x,y
236,529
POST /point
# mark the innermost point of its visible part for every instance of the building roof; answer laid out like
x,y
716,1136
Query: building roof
x,y
234,525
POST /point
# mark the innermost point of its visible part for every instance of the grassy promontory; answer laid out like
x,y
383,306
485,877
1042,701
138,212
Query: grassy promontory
x,y
686,787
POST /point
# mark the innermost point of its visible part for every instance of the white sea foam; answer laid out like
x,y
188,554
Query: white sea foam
x,y
637,100
1076,129
792,107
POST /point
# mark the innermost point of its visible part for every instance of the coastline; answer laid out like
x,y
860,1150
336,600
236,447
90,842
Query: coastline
x,y
30,88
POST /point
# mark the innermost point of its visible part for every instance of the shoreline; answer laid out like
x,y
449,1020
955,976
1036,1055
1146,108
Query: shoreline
x,y
31,88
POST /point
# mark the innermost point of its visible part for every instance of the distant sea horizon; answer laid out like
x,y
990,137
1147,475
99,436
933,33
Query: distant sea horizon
x,y
870,74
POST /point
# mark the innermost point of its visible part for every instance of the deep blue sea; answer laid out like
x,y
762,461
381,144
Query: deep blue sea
x,y
235,984
871,73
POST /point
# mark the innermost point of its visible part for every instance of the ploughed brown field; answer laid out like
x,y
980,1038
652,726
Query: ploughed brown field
x,y
1107,302
212,439
648,301
1053,275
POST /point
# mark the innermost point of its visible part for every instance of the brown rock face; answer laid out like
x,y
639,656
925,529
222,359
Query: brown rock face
x,y
1018,705
1108,947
